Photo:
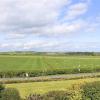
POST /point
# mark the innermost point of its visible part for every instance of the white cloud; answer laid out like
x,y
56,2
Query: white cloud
x,y
76,10
53,46
37,17
15,36
33,44
18,15
93,25
65,28
4,45
22,21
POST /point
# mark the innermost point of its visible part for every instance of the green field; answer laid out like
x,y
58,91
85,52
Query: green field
x,y
49,63
42,87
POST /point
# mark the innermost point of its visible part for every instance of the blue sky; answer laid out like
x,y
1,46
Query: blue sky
x,y
50,25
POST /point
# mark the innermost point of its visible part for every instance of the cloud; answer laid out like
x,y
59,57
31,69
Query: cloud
x,y
30,44
93,25
36,24
53,46
76,10
19,15
37,17
64,28
4,45
15,36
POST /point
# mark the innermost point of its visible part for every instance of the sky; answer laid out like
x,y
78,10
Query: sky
x,y
50,25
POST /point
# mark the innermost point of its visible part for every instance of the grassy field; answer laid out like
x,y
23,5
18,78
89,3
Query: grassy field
x,y
45,63
42,87
49,64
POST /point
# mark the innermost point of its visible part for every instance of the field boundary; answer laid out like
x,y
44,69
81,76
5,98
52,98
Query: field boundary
x,y
49,78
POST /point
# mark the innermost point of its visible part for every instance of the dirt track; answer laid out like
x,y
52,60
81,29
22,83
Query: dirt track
x,y
49,78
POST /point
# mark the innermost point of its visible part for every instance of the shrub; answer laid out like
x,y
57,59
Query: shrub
x,y
35,97
34,73
1,89
10,94
91,91
56,95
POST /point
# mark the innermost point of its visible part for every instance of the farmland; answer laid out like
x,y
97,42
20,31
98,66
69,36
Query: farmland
x,y
51,64
75,72
42,87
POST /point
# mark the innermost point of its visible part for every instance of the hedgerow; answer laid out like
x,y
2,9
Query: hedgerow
x,y
9,93
56,95
91,91
35,73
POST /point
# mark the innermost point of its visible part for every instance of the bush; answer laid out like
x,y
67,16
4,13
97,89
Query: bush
x,y
10,94
56,95
35,97
35,73
91,91
1,89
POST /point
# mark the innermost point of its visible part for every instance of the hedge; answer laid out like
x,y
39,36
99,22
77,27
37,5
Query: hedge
x,y
91,91
56,95
34,73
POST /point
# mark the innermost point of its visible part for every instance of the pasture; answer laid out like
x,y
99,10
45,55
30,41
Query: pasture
x,y
45,64
26,89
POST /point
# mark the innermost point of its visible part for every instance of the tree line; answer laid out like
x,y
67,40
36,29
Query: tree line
x,y
51,53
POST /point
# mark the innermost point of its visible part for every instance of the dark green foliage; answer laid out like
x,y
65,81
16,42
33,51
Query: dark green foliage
x,y
35,97
2,87
10,94
91,91
36,73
